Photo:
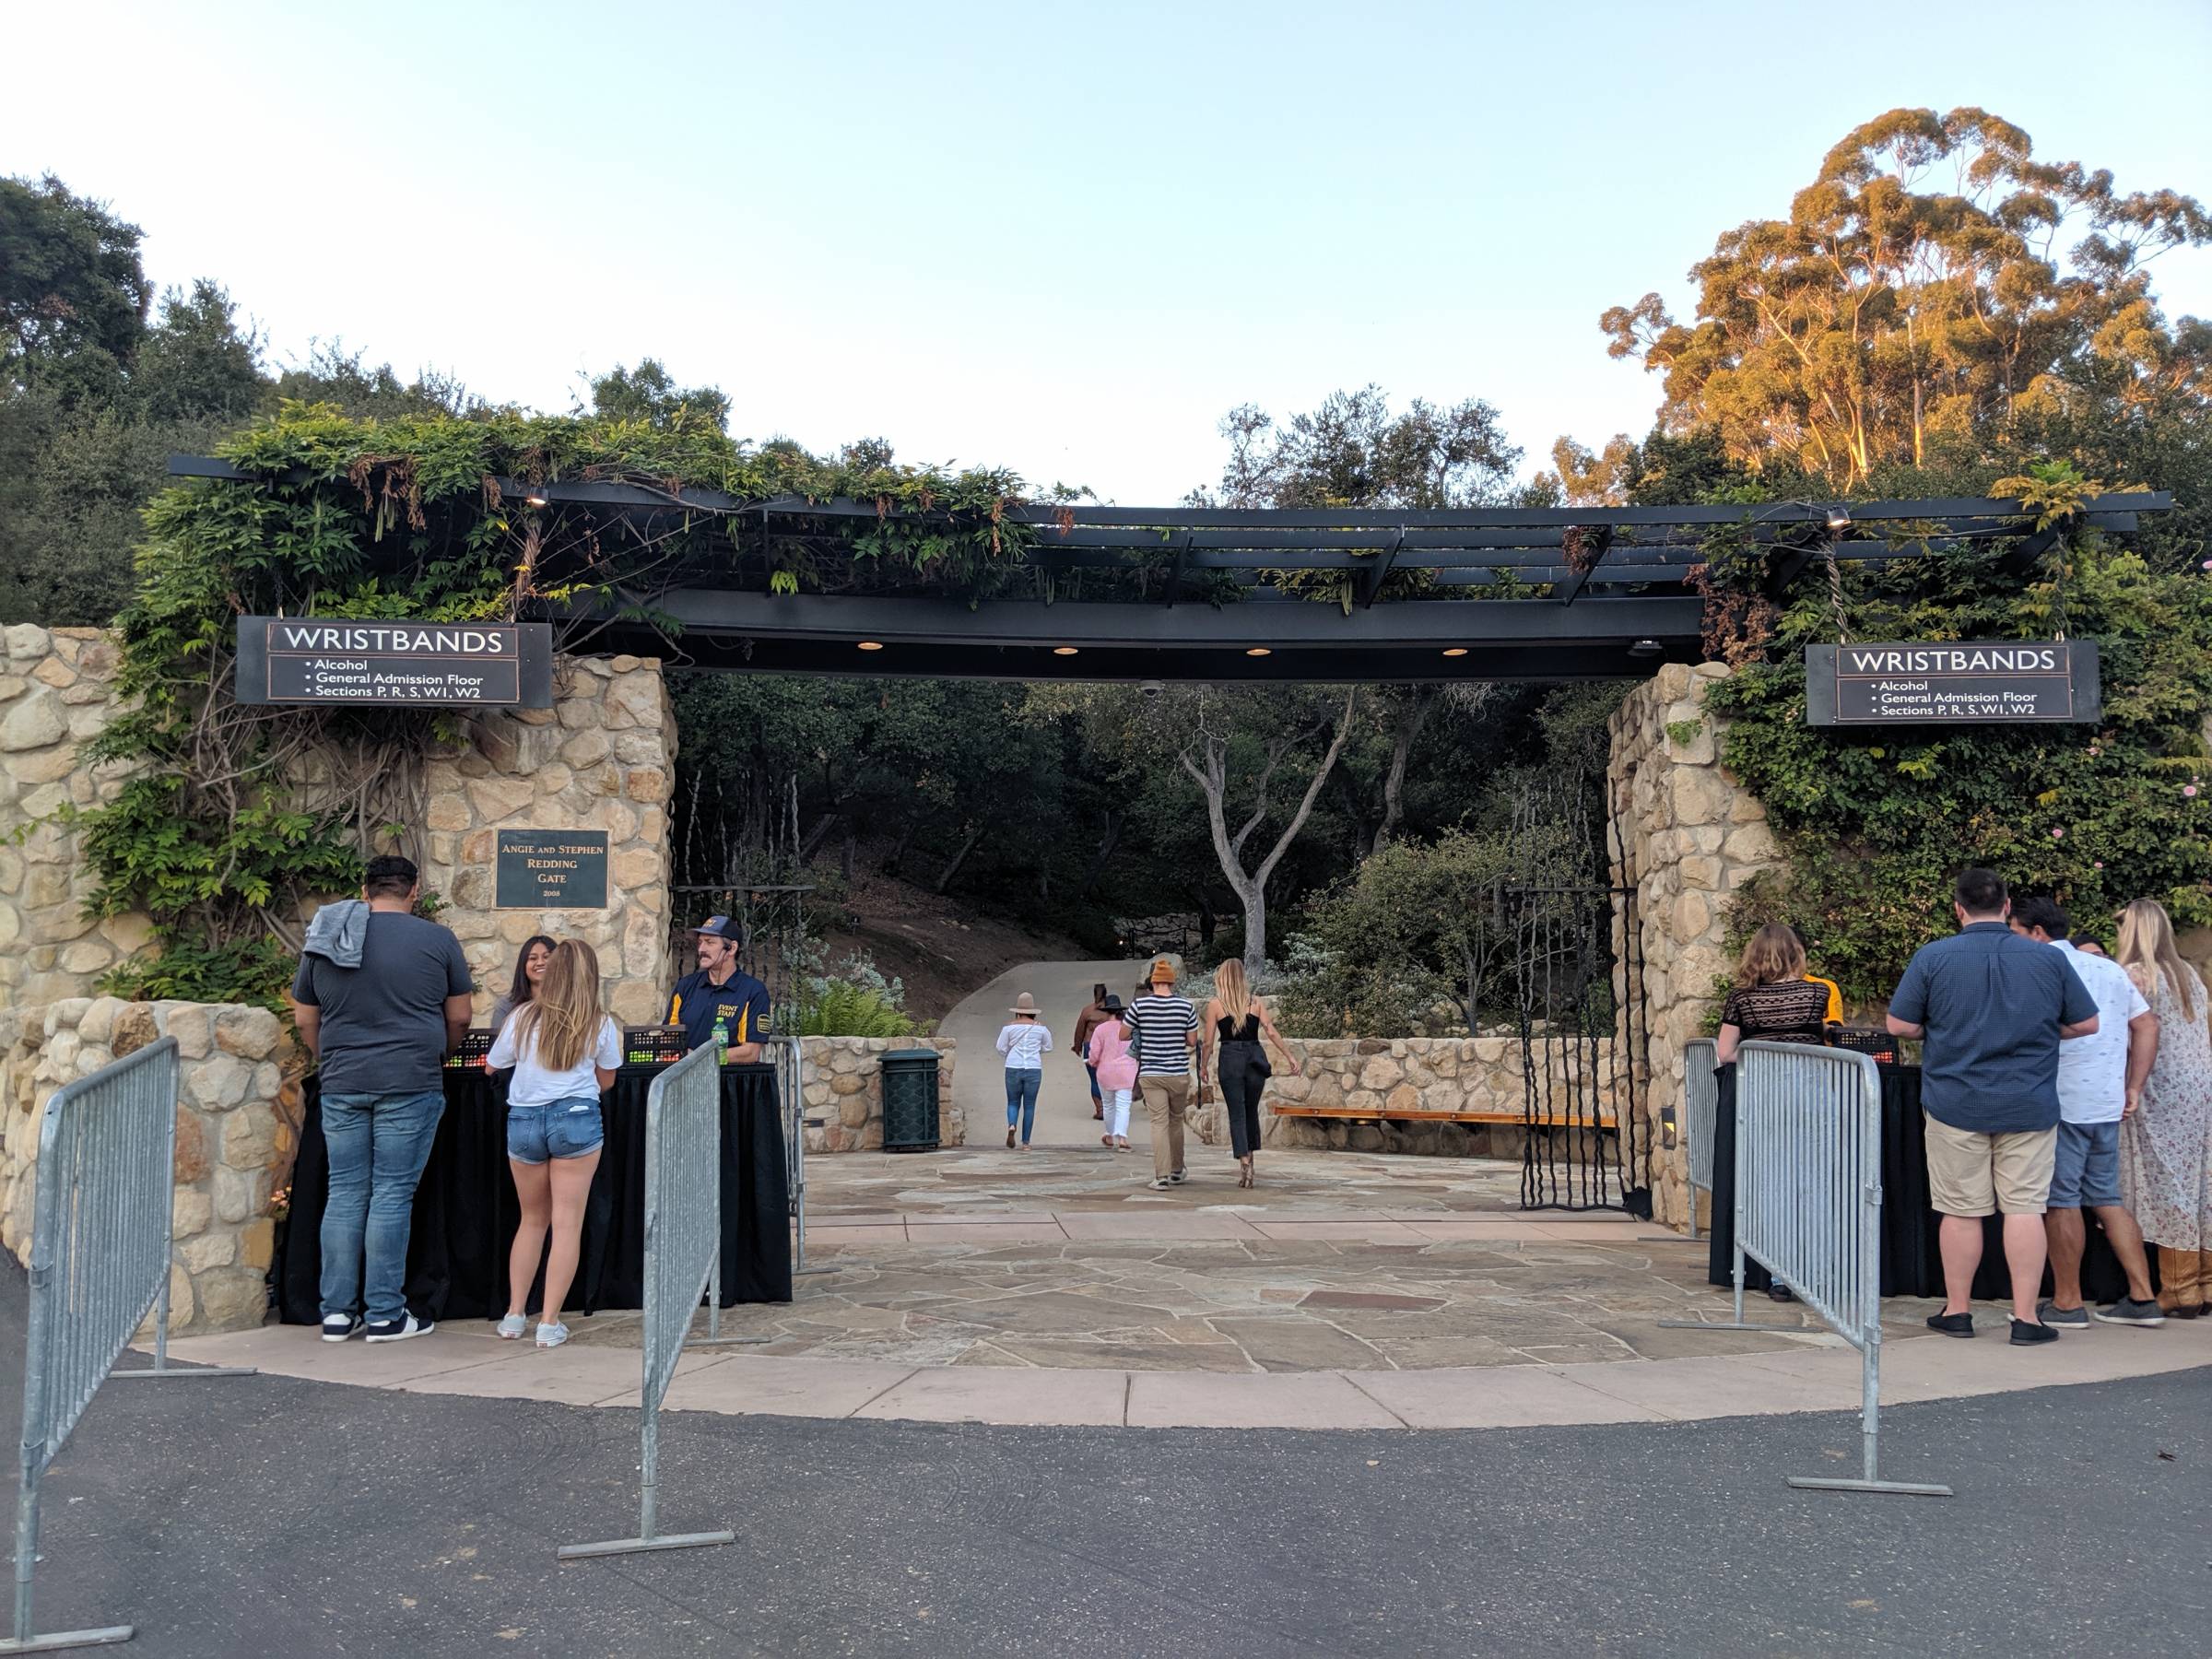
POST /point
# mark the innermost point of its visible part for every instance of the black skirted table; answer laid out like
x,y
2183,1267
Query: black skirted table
x,y
1912,1258
466,1211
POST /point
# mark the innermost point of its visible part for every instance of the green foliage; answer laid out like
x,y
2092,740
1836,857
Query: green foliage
x,y
186,969
1878,822
1683,733
853,1000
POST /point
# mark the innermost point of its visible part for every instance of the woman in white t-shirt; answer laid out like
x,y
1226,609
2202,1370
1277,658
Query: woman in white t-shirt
x,y
564,1050
1025,1044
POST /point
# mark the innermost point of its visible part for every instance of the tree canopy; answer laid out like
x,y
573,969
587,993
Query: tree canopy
x,y
1934,281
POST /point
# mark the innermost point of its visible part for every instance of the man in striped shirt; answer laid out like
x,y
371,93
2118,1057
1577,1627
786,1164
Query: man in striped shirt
x,y
1166,1029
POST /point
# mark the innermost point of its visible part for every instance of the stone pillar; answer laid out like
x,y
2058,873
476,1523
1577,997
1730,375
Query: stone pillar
x,y
602,757
238,1120
1692,835
55,694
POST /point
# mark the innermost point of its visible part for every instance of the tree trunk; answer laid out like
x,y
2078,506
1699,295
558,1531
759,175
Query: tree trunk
x,y
817,835
1394,781
959,858
1250,886
1099,859
851,854
906,842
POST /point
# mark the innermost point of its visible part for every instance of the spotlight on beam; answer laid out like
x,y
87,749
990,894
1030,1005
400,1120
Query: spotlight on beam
x,y
1839,519
1646,648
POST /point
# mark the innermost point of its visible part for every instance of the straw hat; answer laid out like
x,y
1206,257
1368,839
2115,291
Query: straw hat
x,y
1024,1004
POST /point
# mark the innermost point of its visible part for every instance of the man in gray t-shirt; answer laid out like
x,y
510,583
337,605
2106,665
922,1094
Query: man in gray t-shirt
x,y
380,1031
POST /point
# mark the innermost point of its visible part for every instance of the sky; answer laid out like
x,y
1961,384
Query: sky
x,y
1064,238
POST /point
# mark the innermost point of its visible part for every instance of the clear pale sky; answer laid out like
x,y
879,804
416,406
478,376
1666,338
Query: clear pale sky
x,y
1059,237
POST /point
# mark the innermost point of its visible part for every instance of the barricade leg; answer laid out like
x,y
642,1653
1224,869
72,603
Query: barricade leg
x,y
161,1366
650,1536
715,1339
1743,1184
26,1557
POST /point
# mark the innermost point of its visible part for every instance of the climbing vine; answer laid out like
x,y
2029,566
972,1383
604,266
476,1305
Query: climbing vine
x,y
232,815
1875,823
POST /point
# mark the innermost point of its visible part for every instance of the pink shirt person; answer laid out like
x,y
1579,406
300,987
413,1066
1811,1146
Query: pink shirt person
x,y
1110,1051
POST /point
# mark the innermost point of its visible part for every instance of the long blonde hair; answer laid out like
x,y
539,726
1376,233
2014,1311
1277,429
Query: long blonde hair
x,y
1232,990
2146,950
1772,954
564,1016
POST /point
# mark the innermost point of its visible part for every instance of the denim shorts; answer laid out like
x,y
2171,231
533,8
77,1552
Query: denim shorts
x,y
569,1128
2088,1168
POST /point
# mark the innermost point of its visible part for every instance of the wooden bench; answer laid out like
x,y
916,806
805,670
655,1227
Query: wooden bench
x,y
1508,1119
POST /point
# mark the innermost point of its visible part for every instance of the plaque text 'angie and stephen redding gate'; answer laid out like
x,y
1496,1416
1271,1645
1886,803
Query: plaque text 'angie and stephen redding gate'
x,y
1983,682
388,663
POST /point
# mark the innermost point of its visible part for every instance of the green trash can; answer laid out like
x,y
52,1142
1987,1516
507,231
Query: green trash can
x,y
909,1100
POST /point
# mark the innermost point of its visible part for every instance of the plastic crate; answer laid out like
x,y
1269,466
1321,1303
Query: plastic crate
x,y
652,1045
1878,1046
475,1051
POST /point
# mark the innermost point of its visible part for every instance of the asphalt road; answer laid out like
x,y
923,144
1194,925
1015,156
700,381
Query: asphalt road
x,y
266,1516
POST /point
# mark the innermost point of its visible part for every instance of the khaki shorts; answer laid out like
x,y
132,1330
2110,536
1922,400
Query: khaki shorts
x,y
1970,1174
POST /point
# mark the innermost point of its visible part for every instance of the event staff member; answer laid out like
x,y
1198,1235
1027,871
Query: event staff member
x,y
723,991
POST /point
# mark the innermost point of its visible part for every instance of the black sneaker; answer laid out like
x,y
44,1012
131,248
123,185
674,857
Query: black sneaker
x,y
2126,1311
1180,1177
2029,1335
2072,1319
339,1326
399,1330
1952,1325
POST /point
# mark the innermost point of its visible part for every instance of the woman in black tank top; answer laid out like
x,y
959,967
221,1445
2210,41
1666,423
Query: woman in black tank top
x,y
1238,1020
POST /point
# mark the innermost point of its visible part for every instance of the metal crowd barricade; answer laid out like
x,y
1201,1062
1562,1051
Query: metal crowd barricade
x,y
1700,1101
683,1262
1809,1207
99,1265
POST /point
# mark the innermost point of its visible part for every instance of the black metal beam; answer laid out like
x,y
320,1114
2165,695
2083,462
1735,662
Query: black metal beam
x,y
1375,569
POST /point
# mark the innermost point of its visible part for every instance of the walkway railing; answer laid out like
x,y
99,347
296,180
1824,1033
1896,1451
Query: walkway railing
x,y
683,1262
1809,1207
99,1247
1700,1100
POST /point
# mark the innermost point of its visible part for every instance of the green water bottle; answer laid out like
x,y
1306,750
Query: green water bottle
x,y
722,1041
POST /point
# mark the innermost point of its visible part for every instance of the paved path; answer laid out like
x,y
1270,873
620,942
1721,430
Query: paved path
x,y
279,1516
1062,990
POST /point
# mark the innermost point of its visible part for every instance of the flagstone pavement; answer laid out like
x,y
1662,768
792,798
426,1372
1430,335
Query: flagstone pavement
x,y
1346,1291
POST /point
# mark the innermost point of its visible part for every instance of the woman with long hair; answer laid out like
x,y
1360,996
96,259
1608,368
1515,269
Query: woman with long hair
x,y
565,1050
529,973
1773,1000
2166,1133
1239,1020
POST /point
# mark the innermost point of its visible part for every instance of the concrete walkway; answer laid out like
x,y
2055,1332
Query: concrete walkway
x,y
1063,991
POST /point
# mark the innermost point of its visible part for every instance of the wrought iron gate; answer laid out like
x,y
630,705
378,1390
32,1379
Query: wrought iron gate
x,y
1578,996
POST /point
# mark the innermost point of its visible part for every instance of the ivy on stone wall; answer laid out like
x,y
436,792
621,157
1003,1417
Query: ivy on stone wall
x,y
234,815
1877,822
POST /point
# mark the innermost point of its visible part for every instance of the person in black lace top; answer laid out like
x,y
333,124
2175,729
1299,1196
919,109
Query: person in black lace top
x,y
1773,1002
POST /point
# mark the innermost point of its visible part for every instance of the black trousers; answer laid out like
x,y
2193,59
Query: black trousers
x,y
1243,1081
1719,1261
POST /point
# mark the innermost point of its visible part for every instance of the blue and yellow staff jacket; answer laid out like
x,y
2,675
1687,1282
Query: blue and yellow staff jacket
x,y
741,1003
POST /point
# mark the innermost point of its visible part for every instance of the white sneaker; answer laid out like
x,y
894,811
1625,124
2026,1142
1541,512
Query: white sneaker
x,y
513,1326
552,1336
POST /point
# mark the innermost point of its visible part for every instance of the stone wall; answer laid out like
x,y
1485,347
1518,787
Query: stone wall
x,y
844,1087
238,1116
55,693
602,757
1372,1078
1691,836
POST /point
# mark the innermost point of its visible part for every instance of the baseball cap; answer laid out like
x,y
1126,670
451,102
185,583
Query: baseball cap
x,y
721,927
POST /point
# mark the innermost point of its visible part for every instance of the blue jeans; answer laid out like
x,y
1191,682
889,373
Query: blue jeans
x,y
569,1128
1021,1100
1097,1098
377,1144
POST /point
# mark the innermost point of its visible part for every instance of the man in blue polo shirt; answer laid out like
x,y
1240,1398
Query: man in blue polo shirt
x,y
721,990
1991,1008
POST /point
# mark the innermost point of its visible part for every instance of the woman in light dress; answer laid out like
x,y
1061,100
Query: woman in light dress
x,y
2166,1137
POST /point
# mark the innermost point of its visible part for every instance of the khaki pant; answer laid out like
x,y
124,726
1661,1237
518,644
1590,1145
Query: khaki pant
x,y
1166,1100
1970,1174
